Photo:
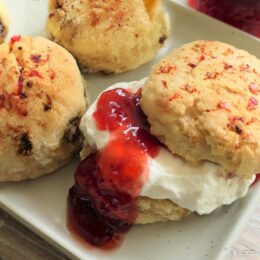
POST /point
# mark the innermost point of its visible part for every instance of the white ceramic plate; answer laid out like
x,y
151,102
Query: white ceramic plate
x,y
41,204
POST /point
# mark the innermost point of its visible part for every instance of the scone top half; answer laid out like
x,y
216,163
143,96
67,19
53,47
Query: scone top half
x,y
108,36
41,102
202,102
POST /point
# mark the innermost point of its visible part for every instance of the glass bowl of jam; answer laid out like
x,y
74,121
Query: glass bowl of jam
x,y
243,14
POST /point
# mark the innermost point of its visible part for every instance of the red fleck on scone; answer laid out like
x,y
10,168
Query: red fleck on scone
x,y
210,108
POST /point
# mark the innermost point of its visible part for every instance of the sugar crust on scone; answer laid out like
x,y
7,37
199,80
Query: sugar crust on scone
x,y
202,102
41,102
108,36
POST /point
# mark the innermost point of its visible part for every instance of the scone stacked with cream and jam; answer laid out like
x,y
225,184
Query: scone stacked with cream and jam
x,y
41,102
108,36
184,140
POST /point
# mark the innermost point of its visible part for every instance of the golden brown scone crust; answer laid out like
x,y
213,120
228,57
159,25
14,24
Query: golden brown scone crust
x,y
108,36
41,102
4,22
202,102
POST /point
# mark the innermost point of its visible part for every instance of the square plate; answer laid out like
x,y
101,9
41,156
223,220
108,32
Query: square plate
x,y
41,204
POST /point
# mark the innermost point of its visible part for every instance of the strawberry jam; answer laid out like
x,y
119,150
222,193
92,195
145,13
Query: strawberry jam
x,y
243,14
102,205
257,178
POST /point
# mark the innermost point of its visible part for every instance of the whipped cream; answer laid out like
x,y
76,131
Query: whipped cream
x,y
197,188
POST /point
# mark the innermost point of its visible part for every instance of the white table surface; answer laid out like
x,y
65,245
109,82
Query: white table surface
x,y
247,246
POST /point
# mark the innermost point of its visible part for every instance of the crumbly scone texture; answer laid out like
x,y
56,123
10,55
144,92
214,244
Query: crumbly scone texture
x,y
41,103
4,22
108,36
151,211
202,102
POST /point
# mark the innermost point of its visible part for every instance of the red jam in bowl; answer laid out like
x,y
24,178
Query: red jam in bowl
x,y
102,204
243,14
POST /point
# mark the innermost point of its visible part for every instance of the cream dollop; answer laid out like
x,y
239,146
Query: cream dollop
x,y
197,188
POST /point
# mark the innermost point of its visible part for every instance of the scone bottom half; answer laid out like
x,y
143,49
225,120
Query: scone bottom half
x,y
202,102
108,36
41,102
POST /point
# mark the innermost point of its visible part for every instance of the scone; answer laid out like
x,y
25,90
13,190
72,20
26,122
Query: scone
x,y
4,22
41,103
108,36
127,176
202,102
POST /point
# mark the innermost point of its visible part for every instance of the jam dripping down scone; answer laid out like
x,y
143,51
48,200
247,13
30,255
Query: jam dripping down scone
x,y
128,177
106,199
41,102
202,102
4,22
108,36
